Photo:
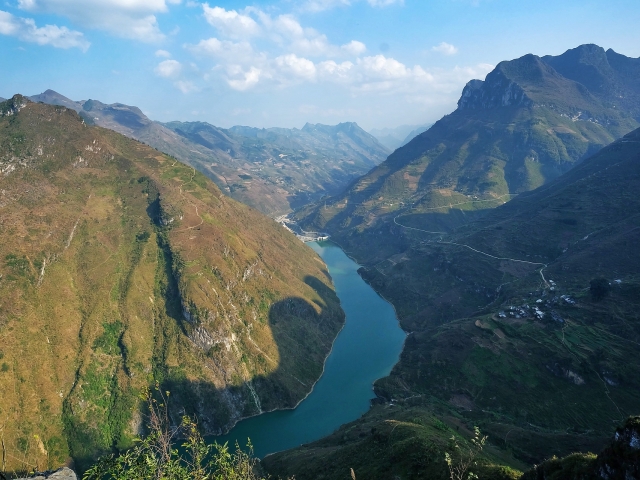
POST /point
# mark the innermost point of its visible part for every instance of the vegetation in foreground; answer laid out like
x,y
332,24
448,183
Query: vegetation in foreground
x,y
155,456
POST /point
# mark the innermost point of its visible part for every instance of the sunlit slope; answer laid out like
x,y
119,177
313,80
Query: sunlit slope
x,y
120,268
523,126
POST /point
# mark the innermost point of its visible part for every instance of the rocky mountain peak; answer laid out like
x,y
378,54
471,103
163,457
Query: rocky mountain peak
x,y
495,92
13,105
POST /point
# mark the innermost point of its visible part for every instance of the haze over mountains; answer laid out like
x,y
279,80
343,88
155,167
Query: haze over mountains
x,y
273,170
393,138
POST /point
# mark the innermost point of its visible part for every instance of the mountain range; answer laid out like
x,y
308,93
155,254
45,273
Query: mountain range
x,y
505,237
124,270
523,126
523,323
273,170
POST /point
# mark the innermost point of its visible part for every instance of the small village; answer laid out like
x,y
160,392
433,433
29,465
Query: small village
x,y
303,235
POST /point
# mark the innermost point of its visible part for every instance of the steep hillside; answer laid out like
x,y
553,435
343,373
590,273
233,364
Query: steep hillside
x,y
523,126
121,268
524,323
273,170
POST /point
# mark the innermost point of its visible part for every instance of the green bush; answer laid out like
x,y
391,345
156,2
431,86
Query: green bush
x,y
156,456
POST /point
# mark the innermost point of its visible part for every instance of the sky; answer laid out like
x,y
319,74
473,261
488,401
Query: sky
x,y
380,63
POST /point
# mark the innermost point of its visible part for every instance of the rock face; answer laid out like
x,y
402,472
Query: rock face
x,y
495,92
61,474
621,460
13,106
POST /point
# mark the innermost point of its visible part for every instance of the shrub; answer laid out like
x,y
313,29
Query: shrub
x,y
156,456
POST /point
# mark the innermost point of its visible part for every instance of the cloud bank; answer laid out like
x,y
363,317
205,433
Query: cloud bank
x,y
135,19
26,30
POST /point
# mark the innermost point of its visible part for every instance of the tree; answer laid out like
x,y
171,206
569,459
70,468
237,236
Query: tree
x,y
463,458
155,457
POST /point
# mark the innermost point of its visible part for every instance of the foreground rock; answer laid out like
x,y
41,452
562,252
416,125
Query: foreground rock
x,y
61,474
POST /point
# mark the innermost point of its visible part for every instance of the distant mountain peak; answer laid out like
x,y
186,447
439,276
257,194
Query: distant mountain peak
x,y
54,98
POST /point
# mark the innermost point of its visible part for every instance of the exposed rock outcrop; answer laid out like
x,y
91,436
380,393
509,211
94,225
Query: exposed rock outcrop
x,y
63,473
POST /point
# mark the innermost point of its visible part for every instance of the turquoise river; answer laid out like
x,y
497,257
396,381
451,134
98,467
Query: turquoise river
x,y
366,349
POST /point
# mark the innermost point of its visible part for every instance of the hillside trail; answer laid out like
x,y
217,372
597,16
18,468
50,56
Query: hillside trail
x,y
193,174
442,242
541,271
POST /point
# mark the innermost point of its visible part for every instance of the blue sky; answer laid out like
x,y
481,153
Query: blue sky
x,y
381,63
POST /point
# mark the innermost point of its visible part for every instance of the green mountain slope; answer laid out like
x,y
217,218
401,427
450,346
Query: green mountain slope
x,y
523,126
524,323
273,170
121,268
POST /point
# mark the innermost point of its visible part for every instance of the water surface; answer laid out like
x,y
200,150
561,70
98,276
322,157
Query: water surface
x,y
366,349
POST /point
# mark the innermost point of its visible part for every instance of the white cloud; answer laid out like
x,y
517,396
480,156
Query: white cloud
x,y
168,68
282,31
230,23
233,52
163,54
241,80
354,47
445,49
383,75
185,86
25,29
285,30
335,72
254,48
299,67
384,3
124,18
380,66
